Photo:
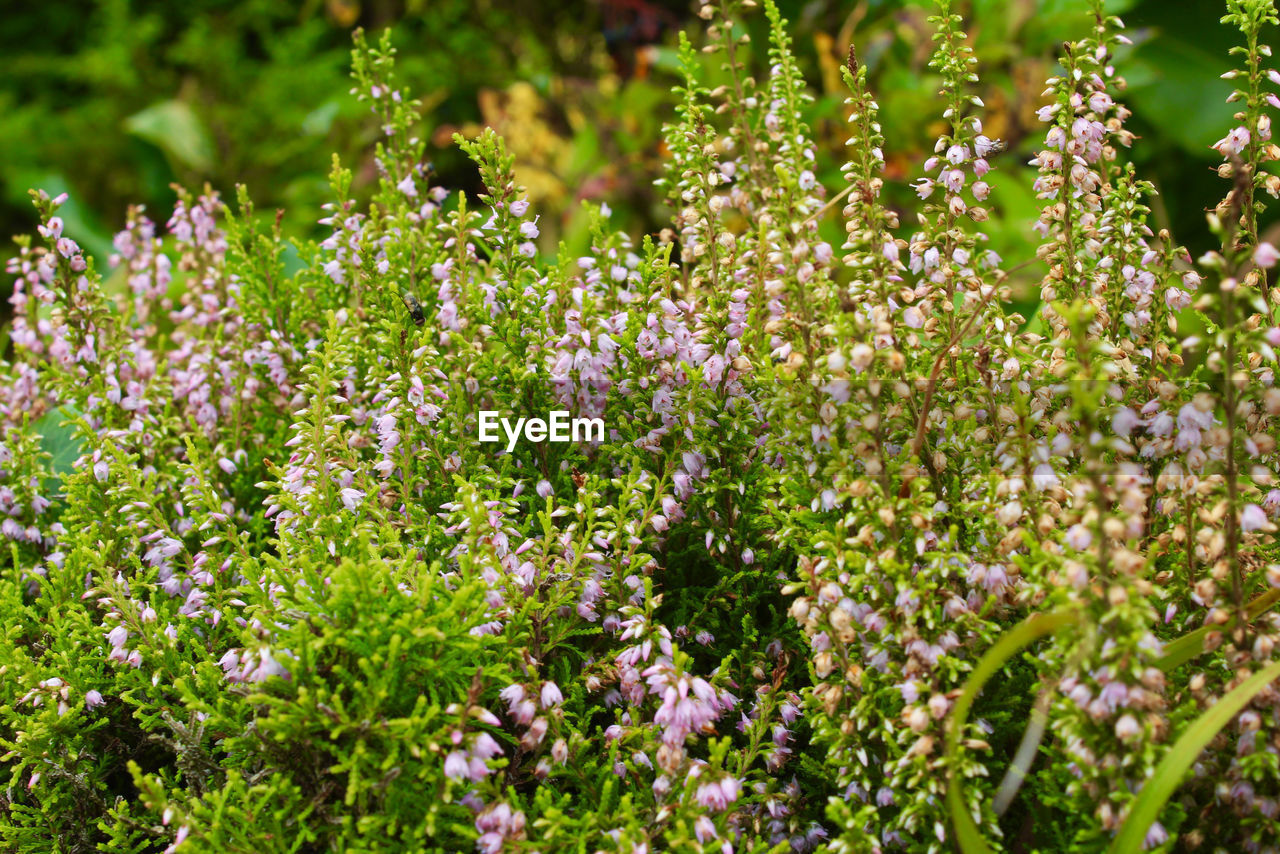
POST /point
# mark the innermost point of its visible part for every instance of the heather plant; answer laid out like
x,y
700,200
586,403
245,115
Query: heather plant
x,y
857,559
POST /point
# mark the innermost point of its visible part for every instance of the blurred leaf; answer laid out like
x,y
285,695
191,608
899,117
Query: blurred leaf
x,y
1175,85
176,129
319,120
59,440
1010,643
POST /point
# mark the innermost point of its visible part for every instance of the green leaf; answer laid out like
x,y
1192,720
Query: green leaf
x,y
1011,642
1179,758
59,440
1191,645
176,129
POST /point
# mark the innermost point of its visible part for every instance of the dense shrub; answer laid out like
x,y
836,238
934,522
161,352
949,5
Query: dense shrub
x,y
265,589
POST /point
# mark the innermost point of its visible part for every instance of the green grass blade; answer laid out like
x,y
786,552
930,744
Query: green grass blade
x,y
1010,644
1191,645
1169,773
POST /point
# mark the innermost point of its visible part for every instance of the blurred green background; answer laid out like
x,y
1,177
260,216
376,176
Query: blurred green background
x,y
113,100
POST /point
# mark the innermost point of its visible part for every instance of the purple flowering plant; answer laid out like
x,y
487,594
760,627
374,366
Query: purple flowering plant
x,y
863,561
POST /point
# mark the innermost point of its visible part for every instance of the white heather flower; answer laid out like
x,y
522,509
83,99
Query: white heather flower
x,y
1010,513
807,180
1127,728
861,357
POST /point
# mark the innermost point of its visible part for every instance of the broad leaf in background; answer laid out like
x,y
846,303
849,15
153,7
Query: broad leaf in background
x,y
175,128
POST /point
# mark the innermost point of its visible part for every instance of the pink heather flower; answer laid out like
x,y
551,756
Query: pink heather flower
x,y
530,229
334,271
981,189
351,498
551,695
1265,256
456,766
524,712
1233,143
1079,537
66,247
178,838
1044,477
1124,420
407,187
1273,336
92,699
519,207
1253,518
713,797
704,829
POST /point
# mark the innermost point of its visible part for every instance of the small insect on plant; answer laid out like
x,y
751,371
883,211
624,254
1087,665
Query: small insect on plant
x,y
415,309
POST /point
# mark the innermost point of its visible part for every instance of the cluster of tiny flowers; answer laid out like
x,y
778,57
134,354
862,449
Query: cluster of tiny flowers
x,y
254,533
